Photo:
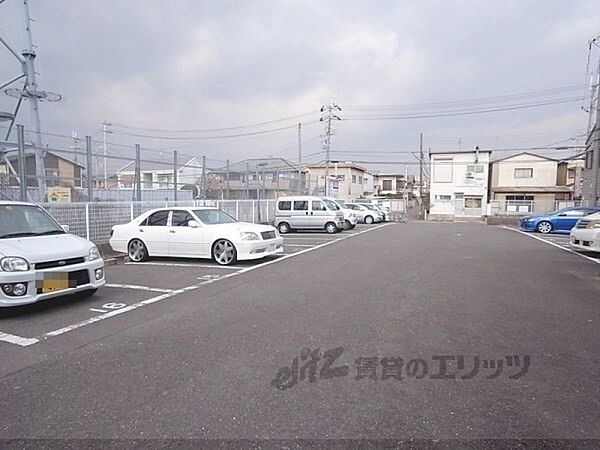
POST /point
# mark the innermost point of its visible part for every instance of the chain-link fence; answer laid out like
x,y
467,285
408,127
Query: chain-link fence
x,y
533,206
74,170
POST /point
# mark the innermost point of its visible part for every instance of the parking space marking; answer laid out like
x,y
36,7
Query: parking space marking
x,y
299,245
173,293
18,340
156,263
135,286
98,310
562,247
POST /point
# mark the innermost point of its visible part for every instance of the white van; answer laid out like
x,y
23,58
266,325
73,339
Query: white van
x,y
307,213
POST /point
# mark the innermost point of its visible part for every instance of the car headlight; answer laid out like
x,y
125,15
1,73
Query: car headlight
x,y
14,264
249,236
595,224
94,253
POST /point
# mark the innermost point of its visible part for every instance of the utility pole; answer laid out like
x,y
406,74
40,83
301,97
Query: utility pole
x,y
299,187
22,164
75,145
596,153
105,130
247,180
327,117
421,175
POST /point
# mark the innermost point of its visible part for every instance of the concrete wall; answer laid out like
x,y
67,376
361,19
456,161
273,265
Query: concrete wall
x,y
544,172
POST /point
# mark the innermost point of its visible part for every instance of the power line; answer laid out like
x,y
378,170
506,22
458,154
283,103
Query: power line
x,y
464,113
208,130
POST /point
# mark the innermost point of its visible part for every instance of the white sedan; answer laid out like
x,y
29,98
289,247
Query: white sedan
x,y
585,235
194,233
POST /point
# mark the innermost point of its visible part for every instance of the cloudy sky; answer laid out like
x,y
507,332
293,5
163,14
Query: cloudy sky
x,y
197,65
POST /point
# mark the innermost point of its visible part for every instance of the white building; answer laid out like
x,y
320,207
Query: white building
x,y
459,184
528,183
160,176
350,178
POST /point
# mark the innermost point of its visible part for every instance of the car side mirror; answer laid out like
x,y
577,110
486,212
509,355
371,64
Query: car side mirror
x,y
193,224
65,228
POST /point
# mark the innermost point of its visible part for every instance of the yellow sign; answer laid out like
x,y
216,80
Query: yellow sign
x,y
59,194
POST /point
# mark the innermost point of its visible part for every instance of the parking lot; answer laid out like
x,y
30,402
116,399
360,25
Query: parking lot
x,y
131,286
560,240
188,349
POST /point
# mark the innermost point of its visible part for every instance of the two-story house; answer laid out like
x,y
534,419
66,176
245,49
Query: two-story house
x,y
60,171
458,184
156,175
390,184
528,183
347,179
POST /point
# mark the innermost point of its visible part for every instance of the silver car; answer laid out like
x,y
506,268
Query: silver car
x,y
365,214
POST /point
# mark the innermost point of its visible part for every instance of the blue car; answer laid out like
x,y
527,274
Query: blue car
x,y
560,221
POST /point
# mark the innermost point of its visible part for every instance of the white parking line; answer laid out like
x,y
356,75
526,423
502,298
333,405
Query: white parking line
x,y
18,340
299,245
193,287
589,258
135,286
157,263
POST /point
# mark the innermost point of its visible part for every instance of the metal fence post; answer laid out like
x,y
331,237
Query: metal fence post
x,y
227,179
253,210
237,210
175,175
131,210
22,163
89,170
87,221
267,209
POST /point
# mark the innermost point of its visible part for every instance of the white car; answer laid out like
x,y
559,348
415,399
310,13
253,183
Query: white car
x,y
585,235
197,232
39,259
364,213
350,219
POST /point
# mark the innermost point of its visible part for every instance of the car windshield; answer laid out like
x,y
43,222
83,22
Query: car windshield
x,y
213,216
26,220
371,207
331,205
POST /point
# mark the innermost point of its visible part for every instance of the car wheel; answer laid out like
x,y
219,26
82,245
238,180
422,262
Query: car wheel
x,y
137,251
347,225
544,227
369,219
284,228
331,227
352,227
224,252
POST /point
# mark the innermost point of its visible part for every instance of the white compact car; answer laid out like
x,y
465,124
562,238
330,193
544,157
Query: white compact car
x,y
585,235
194,233
39,259
364,213
350,219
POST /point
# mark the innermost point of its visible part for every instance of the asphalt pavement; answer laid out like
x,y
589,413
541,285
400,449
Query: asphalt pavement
x,y
413,330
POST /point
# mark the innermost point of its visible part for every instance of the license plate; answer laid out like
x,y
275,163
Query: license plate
x,y
56,281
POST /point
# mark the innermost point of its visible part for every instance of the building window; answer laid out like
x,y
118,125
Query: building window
x,y
386,185
353,178
360,180
524,173
472,202
443,198
52,178
442,170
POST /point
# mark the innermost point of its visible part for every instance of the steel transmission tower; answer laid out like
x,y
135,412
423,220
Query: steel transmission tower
x,y
31,93
328,116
